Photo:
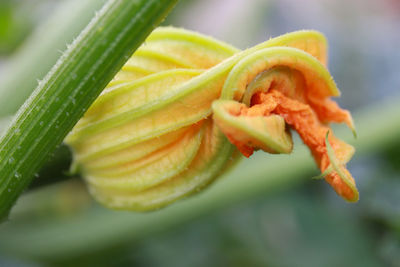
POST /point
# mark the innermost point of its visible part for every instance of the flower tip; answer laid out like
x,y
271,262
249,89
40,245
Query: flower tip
x,y
339,177
344,185
352,127
354,133
355,197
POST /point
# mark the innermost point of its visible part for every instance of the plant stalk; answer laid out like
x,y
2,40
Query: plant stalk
x,y
74,82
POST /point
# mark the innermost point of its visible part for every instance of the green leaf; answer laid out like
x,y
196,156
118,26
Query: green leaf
x,y
70,87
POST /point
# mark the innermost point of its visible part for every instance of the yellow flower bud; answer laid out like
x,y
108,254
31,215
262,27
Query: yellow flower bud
x,y
150,137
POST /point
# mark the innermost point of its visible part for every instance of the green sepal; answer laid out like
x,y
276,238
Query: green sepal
x,y
338,169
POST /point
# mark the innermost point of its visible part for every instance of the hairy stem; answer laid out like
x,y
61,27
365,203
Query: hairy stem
x,y
70,87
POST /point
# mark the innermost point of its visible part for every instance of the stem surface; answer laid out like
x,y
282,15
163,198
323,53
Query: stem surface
x,y
74,82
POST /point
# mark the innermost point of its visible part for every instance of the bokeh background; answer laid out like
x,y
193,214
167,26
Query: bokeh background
x,y
267,211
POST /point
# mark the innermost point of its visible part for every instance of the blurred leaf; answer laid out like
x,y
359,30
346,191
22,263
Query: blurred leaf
x,y
14,25
291,229
41,50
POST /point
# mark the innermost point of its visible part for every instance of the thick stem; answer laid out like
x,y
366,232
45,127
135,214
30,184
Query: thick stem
x,y
70,87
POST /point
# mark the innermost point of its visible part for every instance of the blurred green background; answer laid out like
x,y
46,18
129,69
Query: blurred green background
x,y
267,211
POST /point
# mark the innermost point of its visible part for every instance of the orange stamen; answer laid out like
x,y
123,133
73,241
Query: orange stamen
x,y
305,119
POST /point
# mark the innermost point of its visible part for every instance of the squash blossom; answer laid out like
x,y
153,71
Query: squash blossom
x,y
176,115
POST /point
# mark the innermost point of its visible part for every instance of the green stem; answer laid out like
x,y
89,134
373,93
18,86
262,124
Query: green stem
x,y
70,87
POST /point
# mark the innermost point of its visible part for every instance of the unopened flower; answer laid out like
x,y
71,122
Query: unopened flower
x,y
164,127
